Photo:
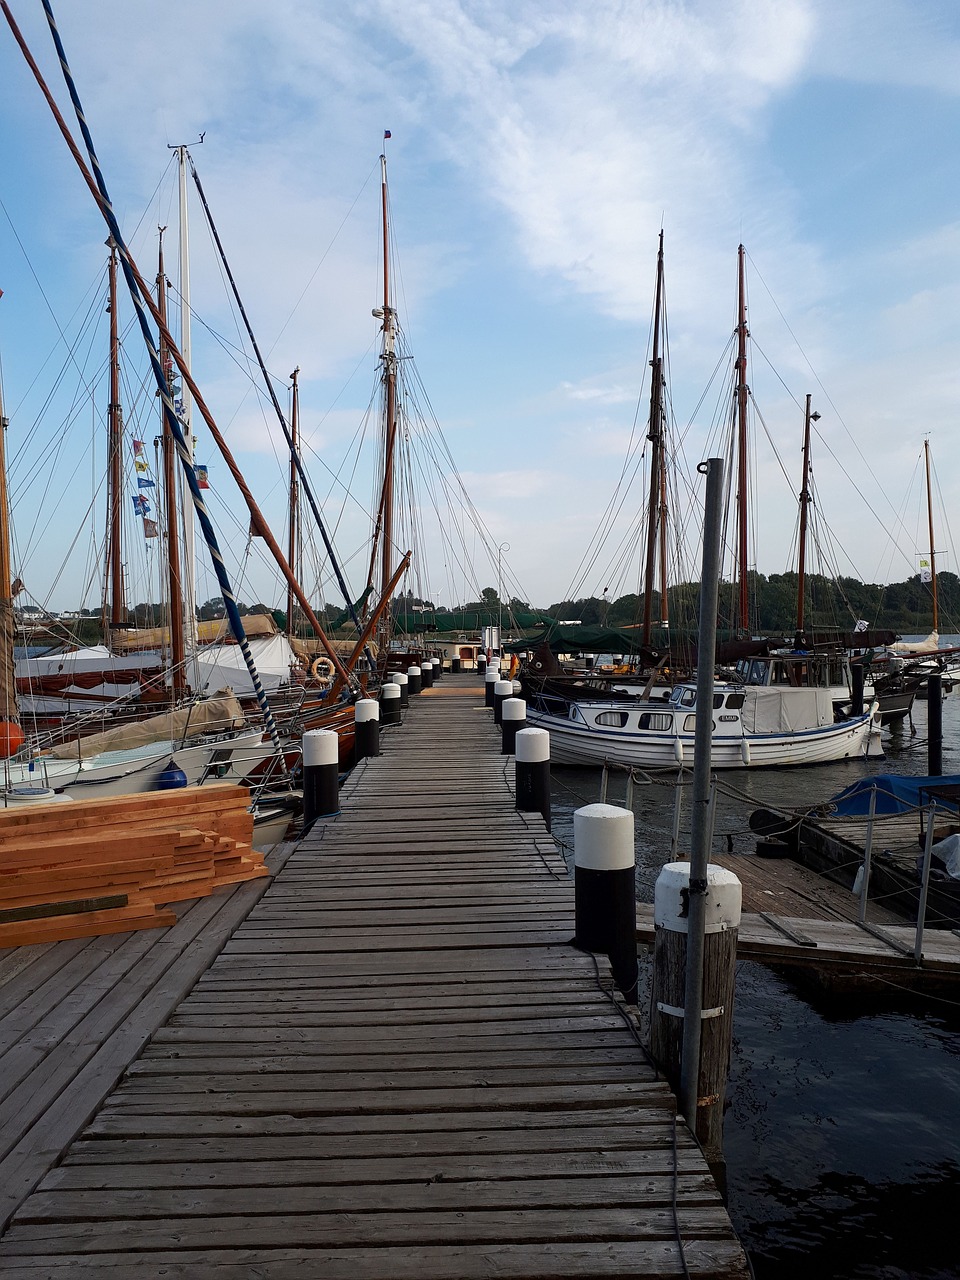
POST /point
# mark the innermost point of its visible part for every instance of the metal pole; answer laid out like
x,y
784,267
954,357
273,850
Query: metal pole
x,y
924,883
867,852
700,820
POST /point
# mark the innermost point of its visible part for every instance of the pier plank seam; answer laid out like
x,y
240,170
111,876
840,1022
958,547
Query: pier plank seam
x,y
367,1122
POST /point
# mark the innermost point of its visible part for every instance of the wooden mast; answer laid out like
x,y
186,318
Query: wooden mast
x,y
808,417
116,614
389,374
178,674
655,436
9,708
293,544
933,561
742,391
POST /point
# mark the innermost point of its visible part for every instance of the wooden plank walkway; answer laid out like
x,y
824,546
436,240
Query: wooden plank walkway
x,y
398,1067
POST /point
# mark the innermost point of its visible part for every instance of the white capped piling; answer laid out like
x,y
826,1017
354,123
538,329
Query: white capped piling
x,y
502,690
400,678
389,703
414,681
481,662
490,678
366,722
532,772
721,919
513,718
426,673
438,668
321,790
517,688
605,895
454,665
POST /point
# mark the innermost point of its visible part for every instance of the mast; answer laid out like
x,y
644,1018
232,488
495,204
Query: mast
x,y
185,414
9,709
655,436
178,674
116,616
808,417
742,391
293,546
933,562
389,376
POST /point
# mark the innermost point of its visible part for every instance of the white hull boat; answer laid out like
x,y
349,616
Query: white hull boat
x,y
752,729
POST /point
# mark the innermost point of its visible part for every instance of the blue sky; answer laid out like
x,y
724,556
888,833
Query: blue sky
x,y
536,151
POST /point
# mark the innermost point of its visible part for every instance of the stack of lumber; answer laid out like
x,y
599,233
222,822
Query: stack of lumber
x,y
71,870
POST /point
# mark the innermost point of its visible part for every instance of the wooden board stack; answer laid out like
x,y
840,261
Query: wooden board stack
x,y
71,870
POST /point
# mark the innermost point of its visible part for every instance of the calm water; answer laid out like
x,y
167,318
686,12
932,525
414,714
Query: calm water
x,y
842,1136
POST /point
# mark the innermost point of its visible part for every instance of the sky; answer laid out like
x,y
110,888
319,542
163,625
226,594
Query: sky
x,y
536,151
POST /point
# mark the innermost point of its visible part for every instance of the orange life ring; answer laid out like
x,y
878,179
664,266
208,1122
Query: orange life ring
x,y
321,669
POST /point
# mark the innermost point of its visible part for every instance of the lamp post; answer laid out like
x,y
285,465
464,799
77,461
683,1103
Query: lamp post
x,y
504,546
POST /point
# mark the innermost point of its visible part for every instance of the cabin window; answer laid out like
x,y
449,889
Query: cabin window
x,y
658,721
688,697
690,724
615,718
718,700
735,701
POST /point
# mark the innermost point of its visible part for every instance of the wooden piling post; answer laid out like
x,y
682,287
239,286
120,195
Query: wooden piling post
x,y
722,903
934,724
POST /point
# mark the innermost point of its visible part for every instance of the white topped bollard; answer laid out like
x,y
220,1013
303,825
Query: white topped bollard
x,y
722,906
390,703
321,777
513,718
481,662
605,893
400,678
426,673
366,724
532,772
502,690
490,678
414,681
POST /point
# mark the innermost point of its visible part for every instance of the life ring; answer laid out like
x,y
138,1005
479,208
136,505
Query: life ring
x,y
321,669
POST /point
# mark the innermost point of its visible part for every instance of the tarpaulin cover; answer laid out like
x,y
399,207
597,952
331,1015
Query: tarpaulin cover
x,y
895,794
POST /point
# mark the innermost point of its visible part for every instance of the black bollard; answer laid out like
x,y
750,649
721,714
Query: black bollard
x,y
366,721
532,772
321,791
605,890
454,666
513,718
400,678
390,703
414,681
935,724
426,673
502,690
490,678
481,662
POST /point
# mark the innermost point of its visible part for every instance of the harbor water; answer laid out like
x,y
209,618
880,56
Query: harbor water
x,y
842,1133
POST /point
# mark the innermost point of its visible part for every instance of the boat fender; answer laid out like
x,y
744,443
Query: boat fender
x,y
678,751
745,751
321,669
171,777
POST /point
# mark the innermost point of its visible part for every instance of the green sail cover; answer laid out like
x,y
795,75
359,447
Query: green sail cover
x,y
433,620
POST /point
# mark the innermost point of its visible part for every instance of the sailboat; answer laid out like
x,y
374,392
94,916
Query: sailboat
x,y
753,726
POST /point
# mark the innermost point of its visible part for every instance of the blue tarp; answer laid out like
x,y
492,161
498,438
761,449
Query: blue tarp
x,y
895,794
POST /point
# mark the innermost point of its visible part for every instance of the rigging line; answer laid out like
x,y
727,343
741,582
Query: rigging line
x,y
294,453
99,189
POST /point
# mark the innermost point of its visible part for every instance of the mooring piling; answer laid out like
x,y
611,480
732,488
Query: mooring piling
x,y
605,890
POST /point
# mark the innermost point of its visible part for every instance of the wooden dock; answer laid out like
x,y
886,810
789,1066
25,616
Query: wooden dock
x,y
396,1067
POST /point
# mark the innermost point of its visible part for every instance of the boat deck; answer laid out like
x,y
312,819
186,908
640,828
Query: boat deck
x,y
392,1064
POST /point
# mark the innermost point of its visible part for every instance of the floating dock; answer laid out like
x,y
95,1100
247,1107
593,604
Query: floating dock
x,y
390,1064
